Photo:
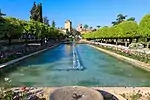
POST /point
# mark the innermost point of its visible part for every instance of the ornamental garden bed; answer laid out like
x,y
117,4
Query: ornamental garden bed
x,y
143,57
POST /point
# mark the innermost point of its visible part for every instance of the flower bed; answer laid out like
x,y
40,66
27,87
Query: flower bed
x,y
21,93
126,52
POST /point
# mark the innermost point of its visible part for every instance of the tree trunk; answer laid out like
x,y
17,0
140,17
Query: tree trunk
x,y
116,41
147,45
126,43
26,39
137,39
105,40
130,40
41,42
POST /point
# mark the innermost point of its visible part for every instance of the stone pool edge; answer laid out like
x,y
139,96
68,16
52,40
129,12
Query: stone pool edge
x,y
24,57
131,61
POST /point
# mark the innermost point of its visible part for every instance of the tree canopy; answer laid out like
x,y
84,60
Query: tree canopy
x,y
14,28
144,26
126,29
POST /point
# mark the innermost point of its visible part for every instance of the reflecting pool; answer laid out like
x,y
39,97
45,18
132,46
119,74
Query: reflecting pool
x,y
50,68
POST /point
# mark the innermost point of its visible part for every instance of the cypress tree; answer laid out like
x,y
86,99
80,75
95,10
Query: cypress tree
x,y
36,13
33,12
40,18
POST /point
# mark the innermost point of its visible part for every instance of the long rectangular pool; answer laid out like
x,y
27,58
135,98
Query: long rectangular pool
x,y
50,69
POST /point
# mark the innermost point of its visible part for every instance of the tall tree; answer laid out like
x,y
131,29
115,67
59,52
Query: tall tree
x,y
120,18
144,28
36,13
12,29
33,12
53,24
40,18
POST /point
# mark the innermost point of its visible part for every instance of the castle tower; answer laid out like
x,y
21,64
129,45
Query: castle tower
x,y
68,25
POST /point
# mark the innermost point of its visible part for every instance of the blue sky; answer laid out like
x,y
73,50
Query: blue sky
x,y
91,12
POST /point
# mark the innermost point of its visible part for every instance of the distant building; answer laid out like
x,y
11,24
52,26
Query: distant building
x,y
68,25
82,30
63,30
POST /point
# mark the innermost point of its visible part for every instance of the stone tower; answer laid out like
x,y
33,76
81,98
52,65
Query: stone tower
x,y
68,25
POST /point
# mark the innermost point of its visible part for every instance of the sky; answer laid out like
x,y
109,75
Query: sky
x,y
90,12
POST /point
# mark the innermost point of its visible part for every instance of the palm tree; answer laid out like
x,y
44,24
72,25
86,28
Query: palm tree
x,y
120,18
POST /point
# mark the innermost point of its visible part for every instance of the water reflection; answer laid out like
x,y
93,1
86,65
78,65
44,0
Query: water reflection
x,y
68,48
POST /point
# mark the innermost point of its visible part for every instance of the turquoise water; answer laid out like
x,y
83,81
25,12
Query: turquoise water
x,y
50,69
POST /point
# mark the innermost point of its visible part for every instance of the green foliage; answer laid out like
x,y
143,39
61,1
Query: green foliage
x,y
6,92
10,29
131,19
46,21
53,24
36,13
144,26
13,28
133,96
126,29
120,18
39,8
